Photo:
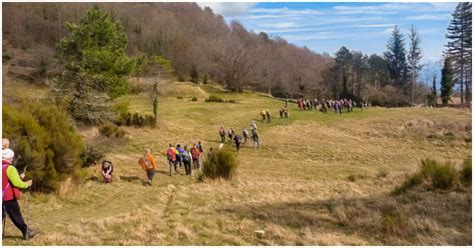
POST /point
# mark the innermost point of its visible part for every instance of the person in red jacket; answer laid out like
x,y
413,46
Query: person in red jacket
x,y
11,183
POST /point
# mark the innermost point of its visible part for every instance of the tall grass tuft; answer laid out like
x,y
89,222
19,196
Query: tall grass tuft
x,y
213,98
441,176
220,164
411,182
466,172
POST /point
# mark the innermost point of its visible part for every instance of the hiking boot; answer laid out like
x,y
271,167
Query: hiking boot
x,y
29,234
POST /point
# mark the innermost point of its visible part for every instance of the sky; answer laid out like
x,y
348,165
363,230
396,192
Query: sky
x,y
326,26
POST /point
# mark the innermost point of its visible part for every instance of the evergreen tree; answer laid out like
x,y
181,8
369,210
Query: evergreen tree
x,y
194,75
447,82
414,56
396,59
460,47
343,66
96,66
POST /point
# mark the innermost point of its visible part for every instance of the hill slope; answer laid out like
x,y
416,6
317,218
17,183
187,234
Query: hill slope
x,y
295,187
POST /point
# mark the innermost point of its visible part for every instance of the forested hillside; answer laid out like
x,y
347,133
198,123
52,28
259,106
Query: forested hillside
x,y
196,41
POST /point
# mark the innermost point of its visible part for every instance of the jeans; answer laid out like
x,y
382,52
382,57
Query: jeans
x,y
150,174
187,167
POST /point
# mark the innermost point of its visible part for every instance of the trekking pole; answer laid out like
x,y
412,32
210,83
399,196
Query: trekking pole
x,y
27,236
4,215
27,206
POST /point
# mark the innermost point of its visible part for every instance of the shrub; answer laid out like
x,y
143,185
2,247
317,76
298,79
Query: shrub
x,y
466,172
411,182
222,164
213,98
179,97
204,79
45,140
180,79
232,101
135,119
194,99
91,156
108,129
5,58
111,130
442,176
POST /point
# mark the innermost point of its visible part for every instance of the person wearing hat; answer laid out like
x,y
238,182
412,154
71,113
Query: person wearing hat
x,y
11,185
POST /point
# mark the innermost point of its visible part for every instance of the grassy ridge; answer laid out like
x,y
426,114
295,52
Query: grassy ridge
x,y
295,187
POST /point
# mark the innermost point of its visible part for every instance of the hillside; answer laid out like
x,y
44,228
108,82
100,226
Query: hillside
x,y
297,186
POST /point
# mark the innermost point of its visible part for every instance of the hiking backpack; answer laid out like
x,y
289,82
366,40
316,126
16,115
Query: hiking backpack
x,y
185,156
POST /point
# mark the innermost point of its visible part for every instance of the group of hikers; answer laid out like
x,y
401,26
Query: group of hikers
x,y
237,139
12,182
336,105
183,156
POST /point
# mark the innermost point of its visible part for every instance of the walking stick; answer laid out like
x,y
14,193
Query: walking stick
x,y
27,235
4,215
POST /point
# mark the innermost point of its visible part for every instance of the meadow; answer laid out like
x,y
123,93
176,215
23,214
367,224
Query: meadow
x,y
317,179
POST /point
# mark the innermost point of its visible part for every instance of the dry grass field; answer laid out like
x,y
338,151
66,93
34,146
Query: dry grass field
x,y
318,179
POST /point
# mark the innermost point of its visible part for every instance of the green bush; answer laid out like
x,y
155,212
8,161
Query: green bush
x,y
43,139
222,164
166,63
111,130
411,182
466,172
91,156
194,99
213,98
442,176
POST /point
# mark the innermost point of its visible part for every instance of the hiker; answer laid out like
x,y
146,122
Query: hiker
x,y
281,112
285,113
11,185
107,170
171,155
148,164
201,151
186,160
323,106
5,144
263,114
179,151
231,135
253,125
255,138
222,133
237,140
195,155
245,133
269,116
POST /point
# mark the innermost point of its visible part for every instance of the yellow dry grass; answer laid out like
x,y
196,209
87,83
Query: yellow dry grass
x,y
295,187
